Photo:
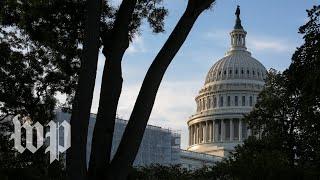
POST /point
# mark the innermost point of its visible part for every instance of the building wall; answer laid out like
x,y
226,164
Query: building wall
x,y
158,146
194,160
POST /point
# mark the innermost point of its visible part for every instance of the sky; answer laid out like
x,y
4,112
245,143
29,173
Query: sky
x,y
272,37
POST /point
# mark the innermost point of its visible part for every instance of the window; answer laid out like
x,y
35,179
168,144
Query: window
x,y
228,101
198,107
236,100
214,101
225,72
203,104
236,71
209,103
242,71
251,101
253,72
243,100
221,101
230,71
248,72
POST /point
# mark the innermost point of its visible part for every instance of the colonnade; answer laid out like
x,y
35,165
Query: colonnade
x,y
218,130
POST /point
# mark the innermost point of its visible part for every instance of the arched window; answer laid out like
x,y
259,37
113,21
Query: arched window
x,y
203,104
200,104
214,101
221,101
243,100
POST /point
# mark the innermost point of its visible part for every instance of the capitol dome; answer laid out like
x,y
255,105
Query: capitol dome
x,y
231,89
236,65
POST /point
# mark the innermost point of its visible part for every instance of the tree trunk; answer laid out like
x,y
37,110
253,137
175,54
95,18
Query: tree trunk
x,y
76,154
134,131
110,91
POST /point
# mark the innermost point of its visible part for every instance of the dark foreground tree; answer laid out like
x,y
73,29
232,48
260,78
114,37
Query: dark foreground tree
x,y
46,39
133,134
52,33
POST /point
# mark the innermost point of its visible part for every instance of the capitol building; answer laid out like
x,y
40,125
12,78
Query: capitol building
x,y
230,91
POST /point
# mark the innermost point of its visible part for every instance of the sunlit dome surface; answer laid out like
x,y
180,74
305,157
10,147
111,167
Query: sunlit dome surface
x,y
236,65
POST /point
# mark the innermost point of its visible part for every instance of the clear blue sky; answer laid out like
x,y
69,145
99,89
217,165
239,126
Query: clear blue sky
x,y
272,27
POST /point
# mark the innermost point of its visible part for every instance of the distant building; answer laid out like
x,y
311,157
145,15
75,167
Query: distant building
x,y
158,146
231,88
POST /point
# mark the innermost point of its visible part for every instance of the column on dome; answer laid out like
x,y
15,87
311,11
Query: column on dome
x,y
212,130
204,132
196,133
201,132
223,130
231,129
189,130
240,129
193,134
207,130
216,134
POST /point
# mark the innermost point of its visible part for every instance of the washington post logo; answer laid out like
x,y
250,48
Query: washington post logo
x,y
55,146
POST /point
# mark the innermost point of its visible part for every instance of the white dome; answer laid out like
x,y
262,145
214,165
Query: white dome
x,y
231,90
236,65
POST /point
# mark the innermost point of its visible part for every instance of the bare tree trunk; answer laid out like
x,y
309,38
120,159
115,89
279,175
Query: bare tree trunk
x,y
111,87
76,154
134,131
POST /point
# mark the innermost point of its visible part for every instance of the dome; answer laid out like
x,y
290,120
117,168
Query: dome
x,y
236,65
231,89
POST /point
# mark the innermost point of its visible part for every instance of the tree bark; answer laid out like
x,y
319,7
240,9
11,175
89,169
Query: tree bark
x,y
111,87
76,154
134,131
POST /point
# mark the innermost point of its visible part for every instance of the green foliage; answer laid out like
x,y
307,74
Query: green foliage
x,y
40,56
51,32
173,172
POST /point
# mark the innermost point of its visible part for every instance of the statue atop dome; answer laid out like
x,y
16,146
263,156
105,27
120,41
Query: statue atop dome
x,y
238,20
238,12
